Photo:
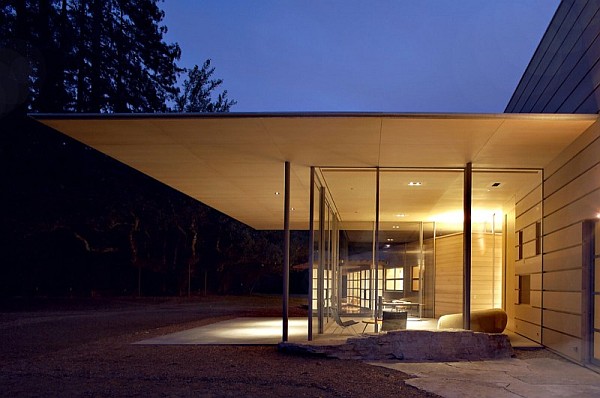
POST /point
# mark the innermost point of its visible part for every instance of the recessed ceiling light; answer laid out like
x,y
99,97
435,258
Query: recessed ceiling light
x,y
400,215
276,193
390,239
415,183
293,208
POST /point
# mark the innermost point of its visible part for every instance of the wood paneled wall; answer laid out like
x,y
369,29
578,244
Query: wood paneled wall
x,y
486,272
448,274
571,195
527,316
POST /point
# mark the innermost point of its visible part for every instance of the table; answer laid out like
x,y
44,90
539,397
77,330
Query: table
x,y
398,305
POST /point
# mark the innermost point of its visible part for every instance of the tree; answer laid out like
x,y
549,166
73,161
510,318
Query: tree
x,y
198,89
99,56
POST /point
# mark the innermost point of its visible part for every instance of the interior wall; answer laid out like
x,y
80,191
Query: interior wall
x,y
510,286
571,195
486,272
448,274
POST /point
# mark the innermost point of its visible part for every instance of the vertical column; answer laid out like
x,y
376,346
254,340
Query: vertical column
x,y
376,253
320,269
421,271
467,188
311,251
286,251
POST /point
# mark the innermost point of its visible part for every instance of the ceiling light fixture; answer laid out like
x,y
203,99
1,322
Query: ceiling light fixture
x,y
390,239
276,193
400,215
415,183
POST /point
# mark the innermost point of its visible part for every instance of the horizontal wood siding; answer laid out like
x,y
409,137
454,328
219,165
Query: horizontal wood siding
x,y
528,316
571,196
564,74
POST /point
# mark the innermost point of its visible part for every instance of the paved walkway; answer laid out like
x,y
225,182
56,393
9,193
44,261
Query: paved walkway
x,y
506,378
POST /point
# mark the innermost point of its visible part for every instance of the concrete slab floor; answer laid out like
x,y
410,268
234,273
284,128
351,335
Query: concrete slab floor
x,y
248,331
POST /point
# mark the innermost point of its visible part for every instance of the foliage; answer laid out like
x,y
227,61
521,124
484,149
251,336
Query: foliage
x,y
95,56
198,89
76,221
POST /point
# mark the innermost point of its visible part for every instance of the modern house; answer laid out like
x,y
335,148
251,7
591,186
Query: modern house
x,y
452,212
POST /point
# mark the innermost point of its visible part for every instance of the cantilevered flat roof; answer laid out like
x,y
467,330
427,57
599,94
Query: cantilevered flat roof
x,y
235,162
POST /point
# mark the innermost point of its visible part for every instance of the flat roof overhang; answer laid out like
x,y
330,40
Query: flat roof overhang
x,y
234,162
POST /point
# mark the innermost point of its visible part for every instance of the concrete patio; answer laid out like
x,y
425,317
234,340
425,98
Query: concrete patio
x,y
504,378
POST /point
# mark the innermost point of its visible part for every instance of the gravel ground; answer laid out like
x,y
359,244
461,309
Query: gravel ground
x,y
83,348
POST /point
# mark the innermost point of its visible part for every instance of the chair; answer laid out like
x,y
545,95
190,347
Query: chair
x,y
342,324
378,318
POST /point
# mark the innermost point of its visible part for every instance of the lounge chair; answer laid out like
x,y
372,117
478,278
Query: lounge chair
x,y
342,324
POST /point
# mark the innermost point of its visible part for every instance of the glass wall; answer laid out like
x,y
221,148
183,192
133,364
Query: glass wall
x,y
395,262
326,281
396,235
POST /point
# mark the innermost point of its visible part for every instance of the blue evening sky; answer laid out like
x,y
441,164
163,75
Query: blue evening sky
x,y
372,56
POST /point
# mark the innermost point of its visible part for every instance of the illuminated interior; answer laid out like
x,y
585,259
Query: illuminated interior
x,y
418,257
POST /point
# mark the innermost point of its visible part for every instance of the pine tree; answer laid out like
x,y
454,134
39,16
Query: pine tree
x,y
198,89
98,56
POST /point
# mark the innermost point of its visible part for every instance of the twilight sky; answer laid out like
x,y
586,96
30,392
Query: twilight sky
x,y
372,56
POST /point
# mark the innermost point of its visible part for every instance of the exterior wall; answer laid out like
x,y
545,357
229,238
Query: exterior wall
x,y
564,74
571,195
527,315
596,290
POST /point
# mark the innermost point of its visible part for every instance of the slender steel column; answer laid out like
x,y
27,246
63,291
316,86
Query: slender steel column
x,y
421,270
311,251
376,251
467,188
286,252
321,269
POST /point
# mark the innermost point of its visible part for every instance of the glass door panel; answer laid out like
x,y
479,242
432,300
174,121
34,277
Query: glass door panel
x,y
418,207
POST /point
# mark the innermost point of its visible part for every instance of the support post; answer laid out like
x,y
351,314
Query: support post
x,y
286,251
320,269
376,254
467,188
311,251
